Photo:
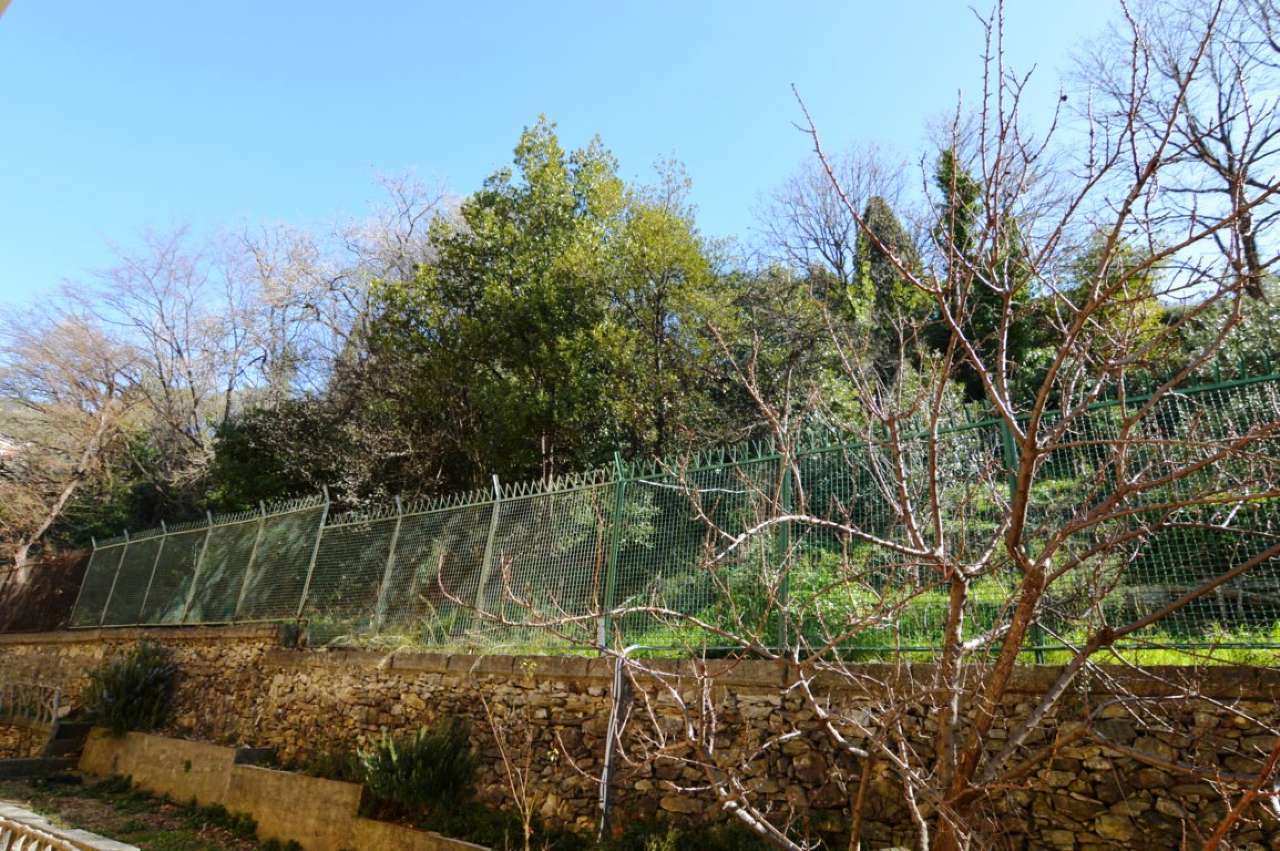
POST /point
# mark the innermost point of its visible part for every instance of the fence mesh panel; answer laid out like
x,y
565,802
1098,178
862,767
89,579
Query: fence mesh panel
x,y
96,585
738,544
274,583
547,564
347,581
220,573
166,600
132,579
439,559
675,522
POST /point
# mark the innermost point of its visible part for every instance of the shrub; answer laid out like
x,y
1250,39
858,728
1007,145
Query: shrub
x,y
336,763
433,767
133,691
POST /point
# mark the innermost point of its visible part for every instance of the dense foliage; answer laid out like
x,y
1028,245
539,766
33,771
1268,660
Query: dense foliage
x,y
556,316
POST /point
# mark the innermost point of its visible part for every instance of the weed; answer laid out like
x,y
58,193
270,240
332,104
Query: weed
x,y
240,826
656,835
113,785
277,845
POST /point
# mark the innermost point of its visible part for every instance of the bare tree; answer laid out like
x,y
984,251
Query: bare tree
x,y
66,392
191,320
1218,113
1033,525
317,289
806,224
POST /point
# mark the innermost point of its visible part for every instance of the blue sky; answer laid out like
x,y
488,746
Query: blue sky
x,y
120,116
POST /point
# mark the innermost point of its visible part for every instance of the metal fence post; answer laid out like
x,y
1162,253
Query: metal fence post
x,y
253,556
124,551
164,536
315,552
486,566
615,546
195,574
380,611
93,553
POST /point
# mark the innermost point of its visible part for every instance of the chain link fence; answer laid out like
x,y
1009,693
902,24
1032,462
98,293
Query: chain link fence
x,y
684,555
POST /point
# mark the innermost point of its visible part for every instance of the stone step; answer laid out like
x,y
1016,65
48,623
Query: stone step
x,y
66,739
64,747
22,769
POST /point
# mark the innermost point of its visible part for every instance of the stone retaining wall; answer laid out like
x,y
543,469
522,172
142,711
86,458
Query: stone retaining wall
x,y
241,685
21,741
318,814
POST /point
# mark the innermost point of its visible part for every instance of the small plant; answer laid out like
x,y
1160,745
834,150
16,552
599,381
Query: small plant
x,y
638,834
113,785
335,764
668,841
431,768
277,845
216,815
132,692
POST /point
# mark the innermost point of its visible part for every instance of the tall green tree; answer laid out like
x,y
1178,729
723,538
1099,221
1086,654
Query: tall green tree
x,y
563,317
886,255
984,263
665,296
499,332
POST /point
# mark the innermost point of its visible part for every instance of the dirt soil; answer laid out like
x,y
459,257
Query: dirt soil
x,y
113,811
44,601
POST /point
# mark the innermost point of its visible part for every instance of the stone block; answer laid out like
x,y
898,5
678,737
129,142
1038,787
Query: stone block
x,y
369,835
180,769
314,812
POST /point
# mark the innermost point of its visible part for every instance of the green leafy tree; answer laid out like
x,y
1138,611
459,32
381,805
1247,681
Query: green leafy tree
x,y
980,275
885,250
1252,348
665,296
563,317
499,332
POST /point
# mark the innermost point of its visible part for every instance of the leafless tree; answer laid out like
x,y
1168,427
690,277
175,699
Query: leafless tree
x,y
67,389
513,737
190,320
316,288
1219,114
806,224
1025,528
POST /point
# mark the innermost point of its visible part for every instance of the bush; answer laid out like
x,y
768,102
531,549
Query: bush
x,y
336,763
132,692
431,768
277,845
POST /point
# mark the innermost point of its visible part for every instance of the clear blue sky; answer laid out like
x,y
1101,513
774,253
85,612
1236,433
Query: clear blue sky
x,y
119,116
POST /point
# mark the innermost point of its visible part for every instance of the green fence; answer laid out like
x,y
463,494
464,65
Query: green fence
x,y
655,555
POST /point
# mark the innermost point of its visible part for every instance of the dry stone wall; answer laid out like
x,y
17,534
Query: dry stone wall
x,y
244,685
19,741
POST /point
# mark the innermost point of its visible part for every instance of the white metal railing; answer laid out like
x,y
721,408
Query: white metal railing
x,y
30,702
